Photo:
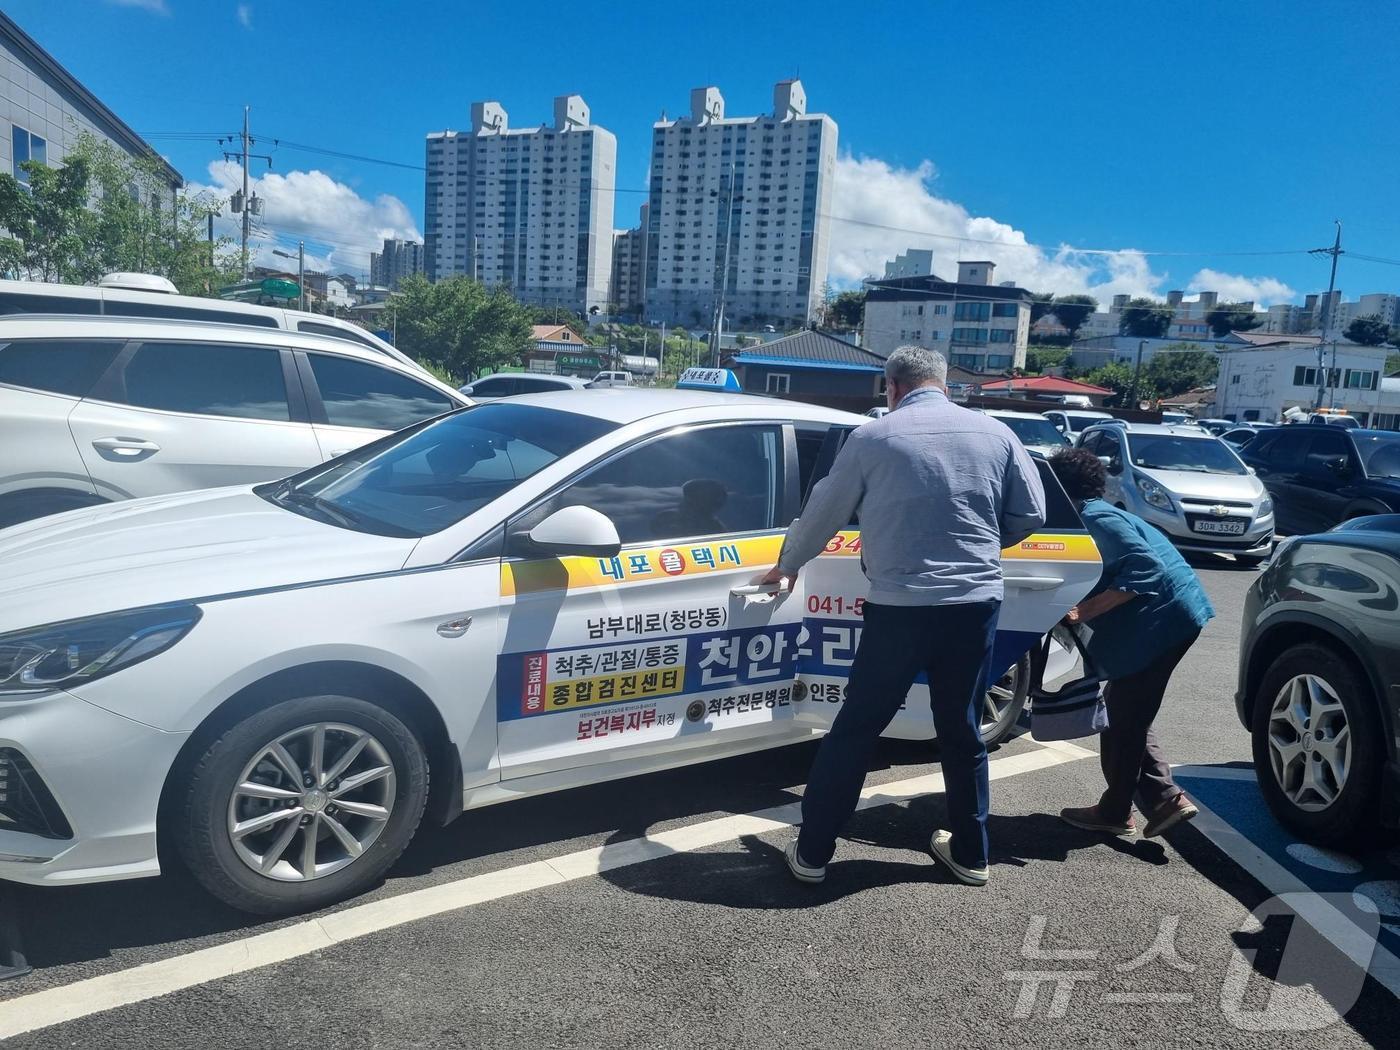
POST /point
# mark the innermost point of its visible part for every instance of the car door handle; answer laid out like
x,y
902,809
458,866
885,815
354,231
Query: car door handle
x,y
770,590
1033,583
130,447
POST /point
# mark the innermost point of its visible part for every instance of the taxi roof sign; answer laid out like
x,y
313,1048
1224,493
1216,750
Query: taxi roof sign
x,y
719,379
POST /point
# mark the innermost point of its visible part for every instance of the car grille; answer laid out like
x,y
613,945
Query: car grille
x,y
26,803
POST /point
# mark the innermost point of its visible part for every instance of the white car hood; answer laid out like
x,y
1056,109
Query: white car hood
x,y
1193,484
173,548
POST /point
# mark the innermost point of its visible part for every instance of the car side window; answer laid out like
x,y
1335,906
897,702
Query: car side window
x,y
123,308
494,387
1286,451
1093,442
1326,447
207,379
334,332
716,481
360,394
57,366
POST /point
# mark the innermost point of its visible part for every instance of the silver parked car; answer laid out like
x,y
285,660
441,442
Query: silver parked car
x,y
511,384
1192,486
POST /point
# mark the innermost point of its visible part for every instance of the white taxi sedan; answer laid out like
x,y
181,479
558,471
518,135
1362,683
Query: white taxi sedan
x,y
521,597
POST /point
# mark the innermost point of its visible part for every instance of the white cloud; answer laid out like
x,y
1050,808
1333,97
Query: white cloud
x,y
156,7
897,209
245,16
1262,291
339,226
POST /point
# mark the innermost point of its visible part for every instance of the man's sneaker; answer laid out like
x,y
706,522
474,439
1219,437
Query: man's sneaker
x,y
1089,818
941,846
1168,815
801,871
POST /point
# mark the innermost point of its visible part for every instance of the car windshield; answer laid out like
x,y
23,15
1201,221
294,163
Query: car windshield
x,y
1078,422
1177,452
1034,431
1380,453
423,479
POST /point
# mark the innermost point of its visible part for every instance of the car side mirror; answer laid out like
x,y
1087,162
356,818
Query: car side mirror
x,y
569,532
1060,427
1112,464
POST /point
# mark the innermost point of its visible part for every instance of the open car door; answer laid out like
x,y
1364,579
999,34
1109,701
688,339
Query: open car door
x,y
1045,576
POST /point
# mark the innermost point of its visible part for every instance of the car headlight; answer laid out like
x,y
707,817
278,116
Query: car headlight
x,y
1153,493
1266,507
63,655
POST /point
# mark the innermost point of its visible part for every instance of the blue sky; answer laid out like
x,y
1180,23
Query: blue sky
x,y
1210,130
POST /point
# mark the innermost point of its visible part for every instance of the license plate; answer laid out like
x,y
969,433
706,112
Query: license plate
x,y
1220,528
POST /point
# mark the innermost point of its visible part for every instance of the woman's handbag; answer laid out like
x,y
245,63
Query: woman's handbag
x,y
1074,710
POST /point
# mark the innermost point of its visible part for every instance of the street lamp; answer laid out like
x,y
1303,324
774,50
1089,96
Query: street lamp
x,y
300,257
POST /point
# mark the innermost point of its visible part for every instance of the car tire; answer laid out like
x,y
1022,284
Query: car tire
x,y
1005,700
1332,694
19,507
352,846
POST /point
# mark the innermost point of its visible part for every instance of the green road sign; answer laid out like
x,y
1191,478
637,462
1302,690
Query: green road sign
x,y
567,360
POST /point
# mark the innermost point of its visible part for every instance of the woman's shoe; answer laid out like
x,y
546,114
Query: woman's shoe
x,y
1089,818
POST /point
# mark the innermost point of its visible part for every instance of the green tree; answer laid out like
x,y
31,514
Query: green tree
x,y
1040,305
45,223
1039,358
1392,364
1115,376
1145,319
102,210
1368,331
1073,310
1232,317
845,311
1394,337
1178,368
459,325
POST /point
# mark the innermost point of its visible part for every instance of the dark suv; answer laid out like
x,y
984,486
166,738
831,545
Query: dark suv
x,y
1319,476
1319,659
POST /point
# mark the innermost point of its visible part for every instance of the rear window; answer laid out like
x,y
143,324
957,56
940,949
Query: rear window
x,y
208,380
58,366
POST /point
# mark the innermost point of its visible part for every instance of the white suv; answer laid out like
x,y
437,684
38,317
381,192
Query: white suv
x,y
97,409
145,295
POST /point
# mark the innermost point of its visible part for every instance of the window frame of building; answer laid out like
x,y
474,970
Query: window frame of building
x,y
777,383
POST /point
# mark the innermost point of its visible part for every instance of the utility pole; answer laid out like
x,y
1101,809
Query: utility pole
x,y
1323,376
717,327
1137,372
244,203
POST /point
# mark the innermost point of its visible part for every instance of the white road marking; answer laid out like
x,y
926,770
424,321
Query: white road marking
x,y
1312,908
28,1013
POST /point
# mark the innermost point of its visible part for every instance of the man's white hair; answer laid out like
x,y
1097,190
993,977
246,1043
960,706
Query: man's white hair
x,y
912,366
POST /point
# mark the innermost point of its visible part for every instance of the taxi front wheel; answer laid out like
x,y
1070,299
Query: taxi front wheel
x,y
302,804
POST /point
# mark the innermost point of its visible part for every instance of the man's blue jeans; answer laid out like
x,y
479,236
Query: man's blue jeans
x,y
953,645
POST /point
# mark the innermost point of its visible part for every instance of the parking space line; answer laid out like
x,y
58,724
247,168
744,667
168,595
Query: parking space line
x,y
28,1013
1310,906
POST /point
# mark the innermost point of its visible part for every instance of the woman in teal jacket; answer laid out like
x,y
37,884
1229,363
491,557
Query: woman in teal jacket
x,y
1146,612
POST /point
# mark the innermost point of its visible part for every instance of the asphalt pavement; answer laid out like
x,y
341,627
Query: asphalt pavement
x,y
656,912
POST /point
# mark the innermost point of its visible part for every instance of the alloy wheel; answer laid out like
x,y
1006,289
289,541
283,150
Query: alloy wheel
x,y
311,802
1309,742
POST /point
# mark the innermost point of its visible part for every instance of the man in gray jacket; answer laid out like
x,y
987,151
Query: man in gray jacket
x,y
940,491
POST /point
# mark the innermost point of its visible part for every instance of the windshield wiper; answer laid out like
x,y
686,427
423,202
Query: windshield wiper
x,y
1159,466
287,494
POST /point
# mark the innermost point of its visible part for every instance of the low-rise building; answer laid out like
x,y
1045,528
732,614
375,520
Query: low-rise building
x,y
1044,388
44,110
812,366
1263,375
976,324
916,262
331,290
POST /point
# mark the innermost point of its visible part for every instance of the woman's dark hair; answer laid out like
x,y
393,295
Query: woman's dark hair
x,y
1080,472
